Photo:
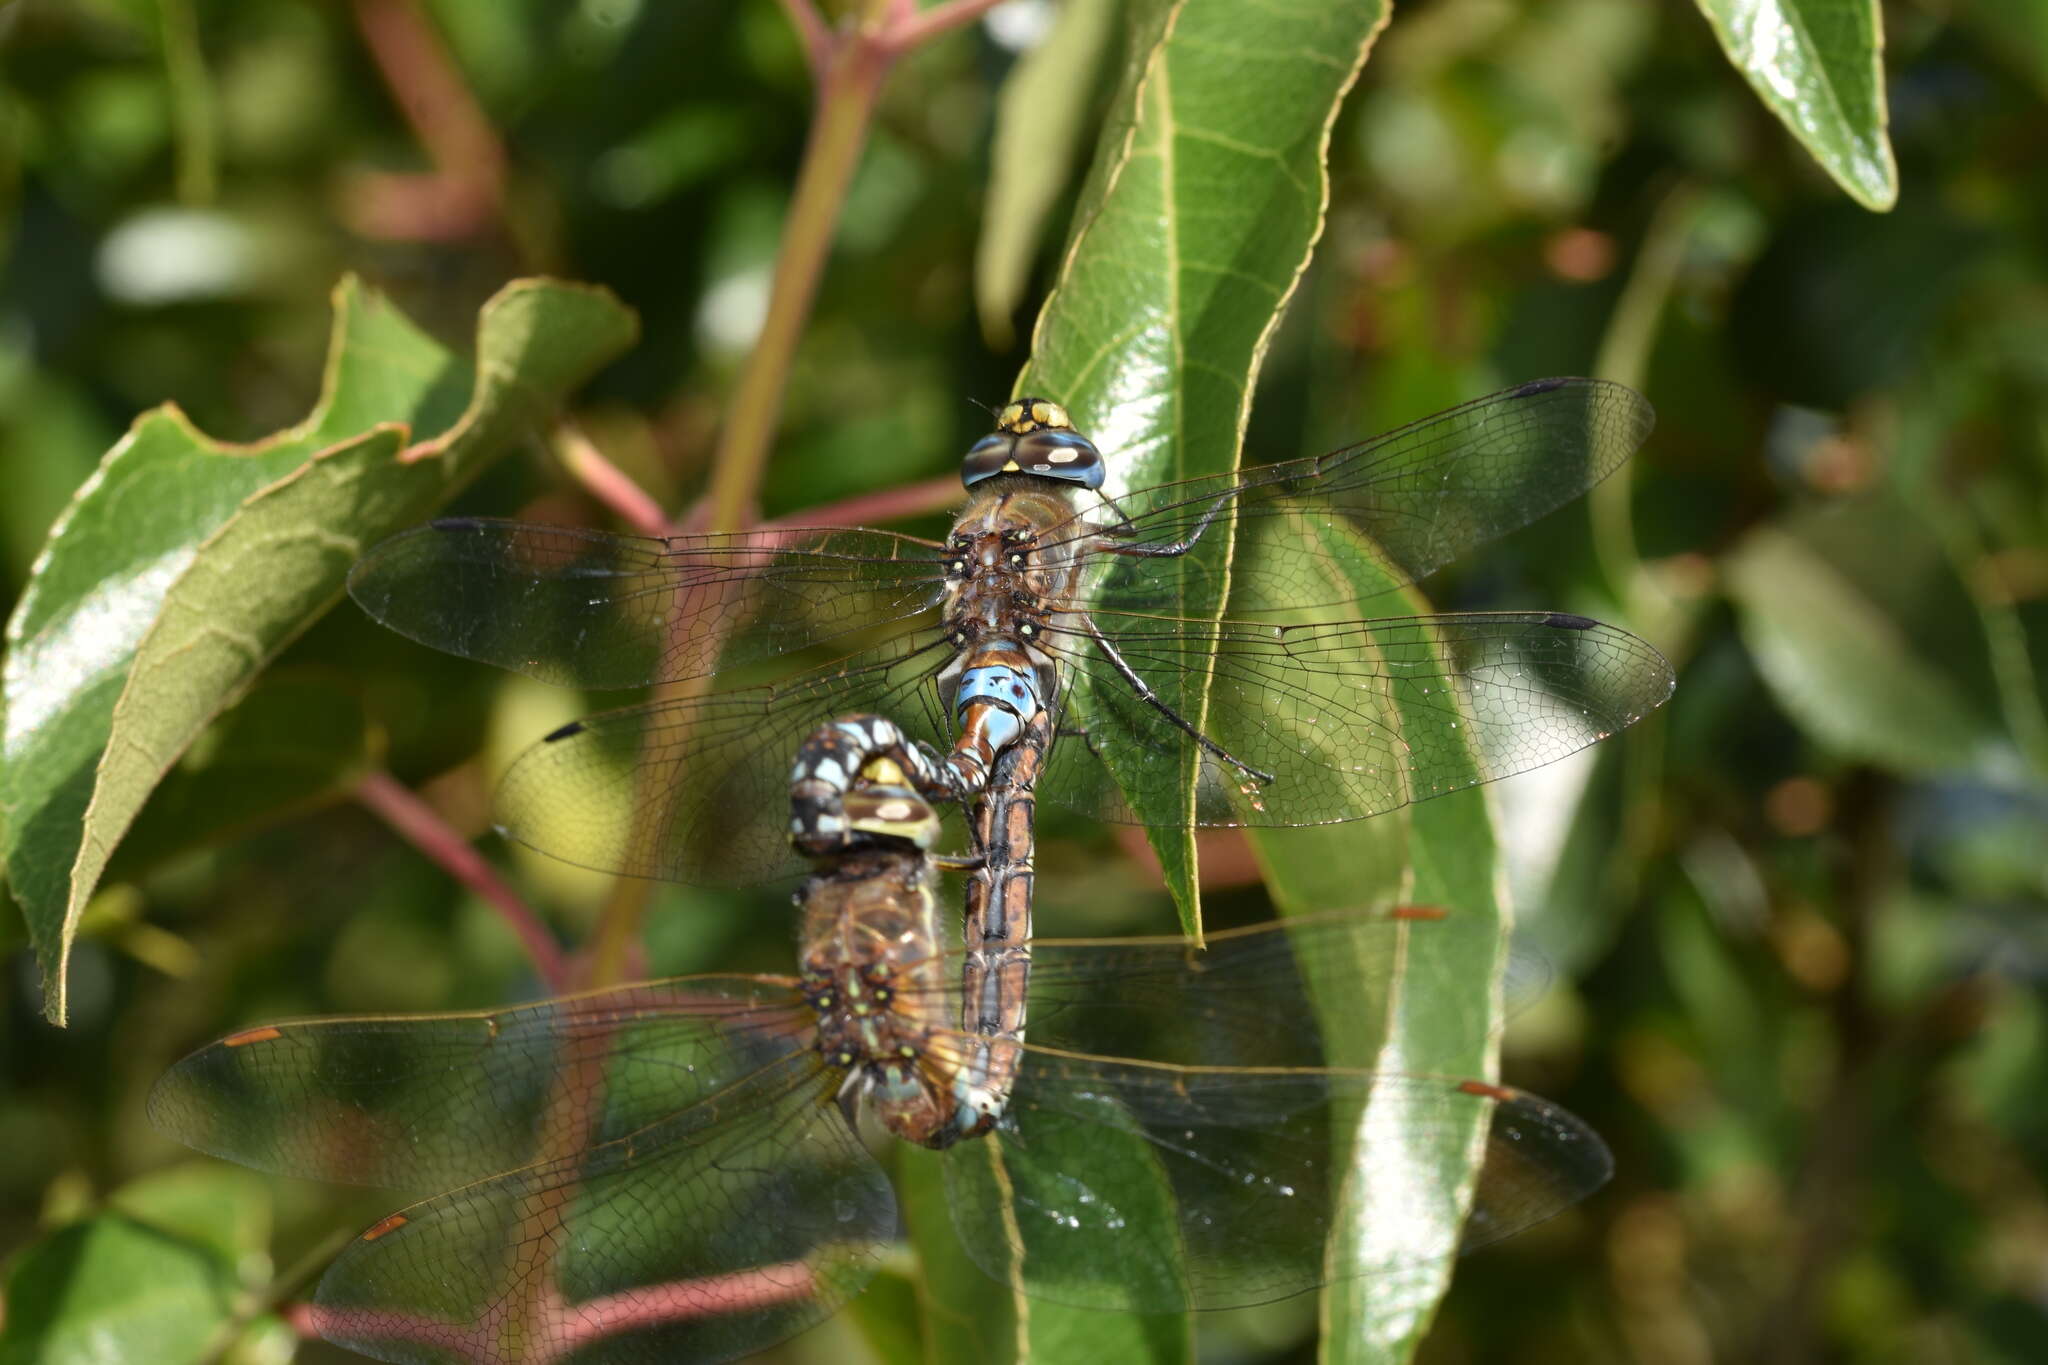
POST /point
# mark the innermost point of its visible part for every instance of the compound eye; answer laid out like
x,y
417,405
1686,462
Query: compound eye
x,y
986,458
1060,454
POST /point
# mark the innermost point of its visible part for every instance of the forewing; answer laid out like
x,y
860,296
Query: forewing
x,y
696,789
427,1101
719,1231
1424,494
1336,721
1117,1186
589,609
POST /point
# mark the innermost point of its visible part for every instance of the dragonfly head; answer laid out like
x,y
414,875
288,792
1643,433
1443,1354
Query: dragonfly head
x,y
1034,436
884,806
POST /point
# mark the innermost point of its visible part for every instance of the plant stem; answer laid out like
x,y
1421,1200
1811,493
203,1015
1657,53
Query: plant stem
x,y
811,32
891,504
849,67
419,824
922,27
846,104
192,115
608,483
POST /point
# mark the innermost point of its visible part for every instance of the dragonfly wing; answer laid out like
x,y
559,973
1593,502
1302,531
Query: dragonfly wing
x,y
1164,1000
1424,494
424,1102
724,1229
589,609
1114,1185
696,789
1335,721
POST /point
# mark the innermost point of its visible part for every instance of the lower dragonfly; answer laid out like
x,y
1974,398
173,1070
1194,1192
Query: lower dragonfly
x,y
674,1171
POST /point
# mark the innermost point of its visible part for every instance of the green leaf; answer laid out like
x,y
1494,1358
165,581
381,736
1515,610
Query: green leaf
x,y
970,1319
221,1209
185,564
1843,668
1205,200
113,1289
1818,65
1441,1012
1040,117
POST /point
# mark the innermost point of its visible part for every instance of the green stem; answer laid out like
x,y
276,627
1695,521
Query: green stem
x,y
191,101
846,104
1625,358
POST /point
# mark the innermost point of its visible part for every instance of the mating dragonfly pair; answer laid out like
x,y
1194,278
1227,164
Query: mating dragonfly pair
x,y
656,1171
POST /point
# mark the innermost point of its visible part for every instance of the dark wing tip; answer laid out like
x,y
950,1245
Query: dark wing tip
x,y
1536,386
574,727
1564,620
456,523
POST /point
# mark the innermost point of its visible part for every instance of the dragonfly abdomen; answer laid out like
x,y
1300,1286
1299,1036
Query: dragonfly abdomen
x,y
996,973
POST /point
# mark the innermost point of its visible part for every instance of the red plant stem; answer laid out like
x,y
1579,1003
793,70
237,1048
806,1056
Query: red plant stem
x,y
811,31
419,824
562,1328
608,483
445,117
891,504
680,1301
922,27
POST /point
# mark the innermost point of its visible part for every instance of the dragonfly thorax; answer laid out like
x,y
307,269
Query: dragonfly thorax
x,y
872,975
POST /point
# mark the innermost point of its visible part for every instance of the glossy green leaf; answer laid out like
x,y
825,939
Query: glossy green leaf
x,y
970,1319
1845,669
1206,197
114,1289
185,564
1440,1012
1818,65
1040,119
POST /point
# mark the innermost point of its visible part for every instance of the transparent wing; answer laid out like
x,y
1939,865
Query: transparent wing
x,y
427,1101
697,789
587,609
1115,1185
1165,1000
1424,493
718,1231
1337,721
1162,999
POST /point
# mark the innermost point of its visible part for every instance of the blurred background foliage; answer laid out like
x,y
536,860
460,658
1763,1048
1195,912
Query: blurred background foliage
x,y
1796,919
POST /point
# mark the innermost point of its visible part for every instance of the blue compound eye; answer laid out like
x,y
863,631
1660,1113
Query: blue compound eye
x,y
1065,455
988,457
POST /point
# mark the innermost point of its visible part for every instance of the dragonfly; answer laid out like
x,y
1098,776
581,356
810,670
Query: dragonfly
x,y
1187,642
675,1170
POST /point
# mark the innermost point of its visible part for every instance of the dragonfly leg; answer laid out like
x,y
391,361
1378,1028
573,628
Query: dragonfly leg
x,y
1171,549
1152,699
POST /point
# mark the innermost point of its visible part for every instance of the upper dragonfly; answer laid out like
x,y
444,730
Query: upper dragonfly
x,y
1190,639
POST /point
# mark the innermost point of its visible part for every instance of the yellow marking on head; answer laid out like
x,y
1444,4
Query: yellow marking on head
x,y
884,771
1012,415
1011,467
